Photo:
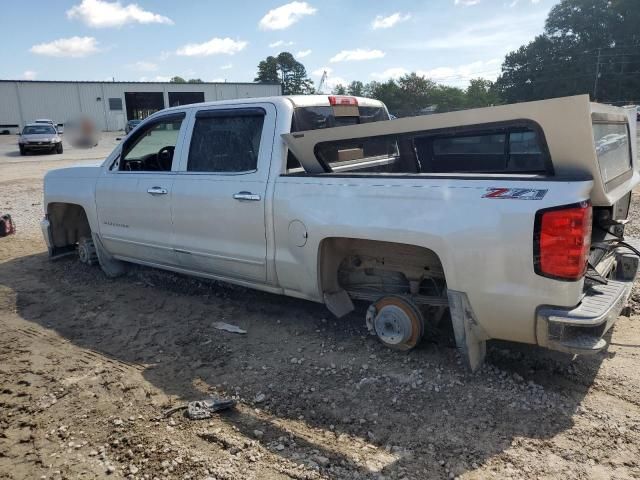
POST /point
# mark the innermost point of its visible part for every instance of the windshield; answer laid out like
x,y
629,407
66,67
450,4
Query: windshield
x,y
39,130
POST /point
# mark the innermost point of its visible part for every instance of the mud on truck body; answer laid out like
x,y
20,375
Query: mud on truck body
x,y
509,220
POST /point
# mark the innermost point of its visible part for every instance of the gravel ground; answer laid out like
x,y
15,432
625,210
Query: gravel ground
x,y
88,366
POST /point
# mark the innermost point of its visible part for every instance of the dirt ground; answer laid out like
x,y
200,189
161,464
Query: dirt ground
x,y
88,365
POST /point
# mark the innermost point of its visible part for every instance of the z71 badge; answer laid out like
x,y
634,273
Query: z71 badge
x,y
515,193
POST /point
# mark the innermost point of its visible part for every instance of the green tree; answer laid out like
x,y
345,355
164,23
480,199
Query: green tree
x,y
583,40
268,71
356,88
387,92
449,98
287,71
481,93
195,80
177,79
416,93
339,89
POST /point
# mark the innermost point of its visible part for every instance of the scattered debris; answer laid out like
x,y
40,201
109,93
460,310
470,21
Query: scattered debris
x,y
227,327
201,409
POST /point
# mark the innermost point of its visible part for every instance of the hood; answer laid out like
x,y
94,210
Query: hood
x,y
39,137
85,170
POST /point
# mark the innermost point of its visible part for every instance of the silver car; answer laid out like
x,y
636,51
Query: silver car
x,y
39,137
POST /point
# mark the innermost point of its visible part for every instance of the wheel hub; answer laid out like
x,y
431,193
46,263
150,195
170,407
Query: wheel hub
x,y
393,325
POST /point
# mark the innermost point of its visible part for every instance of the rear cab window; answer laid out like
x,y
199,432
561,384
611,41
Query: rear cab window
x,y
330,116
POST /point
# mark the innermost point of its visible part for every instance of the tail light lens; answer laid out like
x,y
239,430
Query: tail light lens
x,y
562,240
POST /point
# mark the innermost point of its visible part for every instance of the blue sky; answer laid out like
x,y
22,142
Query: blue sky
x,y
447,40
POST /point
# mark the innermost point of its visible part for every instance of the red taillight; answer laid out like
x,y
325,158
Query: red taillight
x,y
562,241
340,100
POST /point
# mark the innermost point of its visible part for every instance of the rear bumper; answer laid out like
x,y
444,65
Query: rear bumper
x,y
579,330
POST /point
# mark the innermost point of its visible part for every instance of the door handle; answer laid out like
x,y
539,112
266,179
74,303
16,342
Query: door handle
x,y
252,197
157,191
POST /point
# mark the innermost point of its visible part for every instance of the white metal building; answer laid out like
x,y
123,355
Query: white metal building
x,y
109,104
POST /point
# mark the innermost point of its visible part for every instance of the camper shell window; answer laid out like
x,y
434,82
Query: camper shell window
x,y
514,148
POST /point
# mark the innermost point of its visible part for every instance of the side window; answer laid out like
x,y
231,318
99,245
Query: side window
x,y
152,148
471,153
501,150
473,145
226,141
525,153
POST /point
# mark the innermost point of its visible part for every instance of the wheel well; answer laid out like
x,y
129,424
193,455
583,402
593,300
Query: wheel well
x,y
69,224
351,263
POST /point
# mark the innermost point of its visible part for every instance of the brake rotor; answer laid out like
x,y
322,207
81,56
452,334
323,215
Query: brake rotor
x,y
398,323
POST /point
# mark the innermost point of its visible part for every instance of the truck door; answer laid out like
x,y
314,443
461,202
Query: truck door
x,y
219,194
133,199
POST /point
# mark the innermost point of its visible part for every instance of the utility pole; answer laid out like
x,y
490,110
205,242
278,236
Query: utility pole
x,y
595,83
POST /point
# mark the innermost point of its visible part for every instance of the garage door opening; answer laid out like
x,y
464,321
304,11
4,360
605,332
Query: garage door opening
x,y
185,98
142,104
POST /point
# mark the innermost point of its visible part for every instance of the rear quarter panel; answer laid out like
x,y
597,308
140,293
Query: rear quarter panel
x,y
485,244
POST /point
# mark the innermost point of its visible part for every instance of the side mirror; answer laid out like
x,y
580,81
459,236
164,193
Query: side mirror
x,y
19,134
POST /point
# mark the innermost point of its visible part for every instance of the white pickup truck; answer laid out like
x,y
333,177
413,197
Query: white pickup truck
x,y
507,220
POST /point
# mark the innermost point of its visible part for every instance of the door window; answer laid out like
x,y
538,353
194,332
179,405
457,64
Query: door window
x,y
152,148
226,141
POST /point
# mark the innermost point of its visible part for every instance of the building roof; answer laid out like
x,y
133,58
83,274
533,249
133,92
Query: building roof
x,y
132,81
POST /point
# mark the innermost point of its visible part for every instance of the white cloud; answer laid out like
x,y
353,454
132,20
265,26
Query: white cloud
x,y
29,75
285,15
395,72
515,2
498,34
280,43
461,74
160,78
356,55
390,21
215,46
228,66
101,14
143,66
303,53
319,71
331,81
67,47
218,80
454,75
466,3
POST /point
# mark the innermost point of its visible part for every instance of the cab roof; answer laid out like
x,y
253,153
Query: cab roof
x,y
295,100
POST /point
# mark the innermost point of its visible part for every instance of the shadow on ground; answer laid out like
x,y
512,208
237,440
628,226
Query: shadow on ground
x,y
317,374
